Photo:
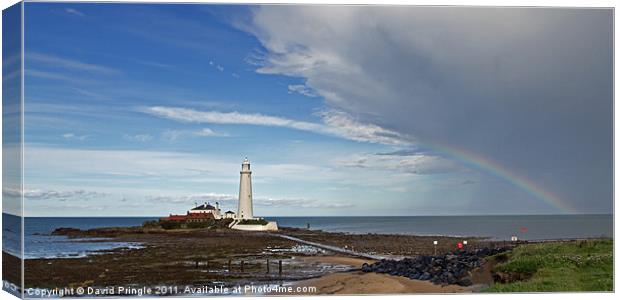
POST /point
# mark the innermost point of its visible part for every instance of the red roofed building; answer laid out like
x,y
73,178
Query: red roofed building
x,y
178,218
199,217
200,213
190,217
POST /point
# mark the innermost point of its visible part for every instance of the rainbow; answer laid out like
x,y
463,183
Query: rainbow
x,y
489,166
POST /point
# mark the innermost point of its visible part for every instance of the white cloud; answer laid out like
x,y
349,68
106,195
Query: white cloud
x,y
413,163
299,203
217,66
60,195
142,138
145,170
11,192
88,93
156,65
206,132
301,89
56,76
74,12
336,123
215,117
70,64
427,164
185,178
174,135
342,124
73,136
132,172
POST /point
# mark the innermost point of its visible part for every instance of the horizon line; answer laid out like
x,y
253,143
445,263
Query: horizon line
x,y
353,216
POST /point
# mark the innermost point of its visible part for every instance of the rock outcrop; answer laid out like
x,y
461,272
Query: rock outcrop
x,y
451,268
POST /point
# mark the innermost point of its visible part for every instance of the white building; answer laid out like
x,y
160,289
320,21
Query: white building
x,y
230,215
207,209
244,210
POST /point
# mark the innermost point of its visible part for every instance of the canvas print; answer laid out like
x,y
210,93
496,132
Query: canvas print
x,y
209,149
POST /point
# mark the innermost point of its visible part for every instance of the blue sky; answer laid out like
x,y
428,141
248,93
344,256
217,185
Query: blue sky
x,y
135,109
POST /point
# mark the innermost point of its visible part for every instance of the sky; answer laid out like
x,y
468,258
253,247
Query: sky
x,y
145,110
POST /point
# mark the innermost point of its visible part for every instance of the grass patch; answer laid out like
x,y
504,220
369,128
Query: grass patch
x,y
556,267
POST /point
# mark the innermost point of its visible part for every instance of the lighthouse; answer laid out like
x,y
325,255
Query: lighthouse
x,y
244,219
244,210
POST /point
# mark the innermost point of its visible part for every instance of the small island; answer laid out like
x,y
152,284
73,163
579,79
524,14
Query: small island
x,y
211,217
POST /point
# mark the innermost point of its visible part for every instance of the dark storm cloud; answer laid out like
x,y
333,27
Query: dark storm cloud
x,y
529,88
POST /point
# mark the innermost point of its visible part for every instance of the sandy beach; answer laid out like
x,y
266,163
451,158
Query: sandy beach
x,y
371,283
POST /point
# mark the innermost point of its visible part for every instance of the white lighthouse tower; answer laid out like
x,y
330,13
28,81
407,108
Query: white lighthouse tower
x,y
245,216
244,210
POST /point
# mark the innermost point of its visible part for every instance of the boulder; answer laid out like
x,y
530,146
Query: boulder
x,y
466,281
366,268
451,268
425,276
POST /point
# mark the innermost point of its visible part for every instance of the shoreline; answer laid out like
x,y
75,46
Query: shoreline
x,y
214,256
203,257
347,280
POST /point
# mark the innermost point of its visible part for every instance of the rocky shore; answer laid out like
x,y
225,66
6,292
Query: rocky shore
x,y
451,268
222,256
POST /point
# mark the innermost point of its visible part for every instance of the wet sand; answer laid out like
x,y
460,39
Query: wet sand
x,y
387,244
353,262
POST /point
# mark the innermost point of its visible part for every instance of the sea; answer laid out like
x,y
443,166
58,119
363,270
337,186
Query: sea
x,y
39,243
